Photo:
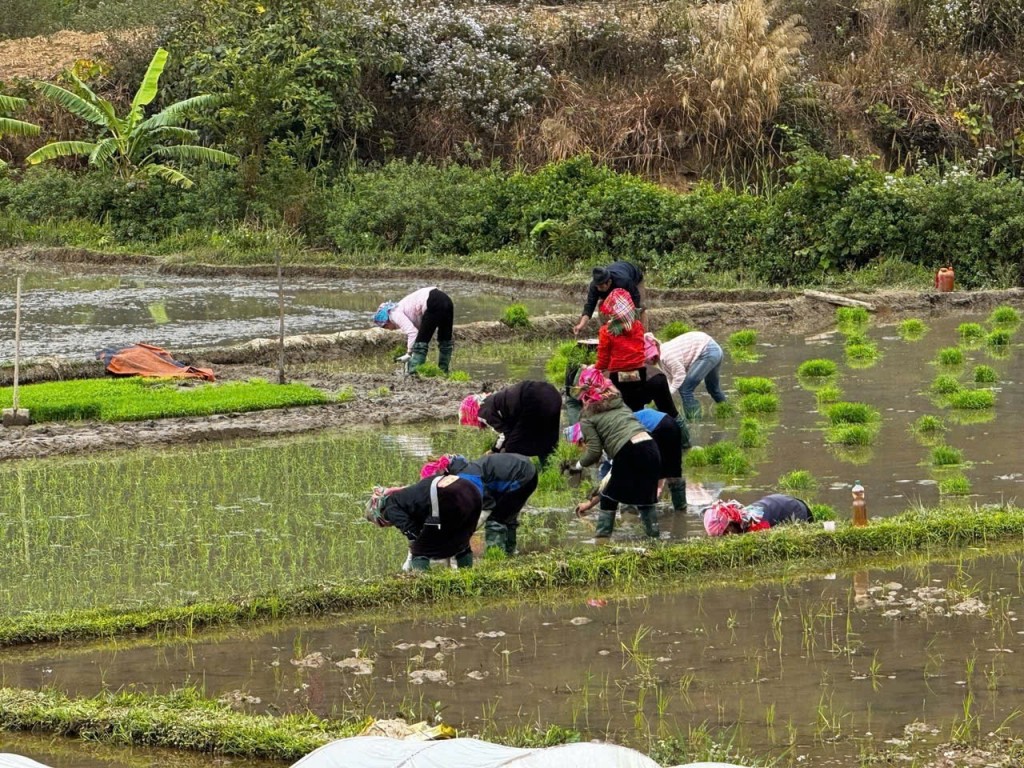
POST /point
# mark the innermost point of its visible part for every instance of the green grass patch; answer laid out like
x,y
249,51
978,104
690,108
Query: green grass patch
x,y
516,316
823,512
945,384
950,356
565,353
671,330
850,435
798,481
460,376
928,425
912,329
972,399
726,456
985,374
852,318
135,399
861,355
955,485
851,413
1000,337
830,393
754,385
725,410
743,339
758,404
751,434
970,333
816,369
1004,315
946,456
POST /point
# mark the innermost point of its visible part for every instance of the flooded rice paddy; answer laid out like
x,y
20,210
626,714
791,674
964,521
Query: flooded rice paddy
x,y
818,672
71,314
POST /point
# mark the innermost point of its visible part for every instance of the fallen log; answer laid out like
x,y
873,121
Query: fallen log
x,y
842,301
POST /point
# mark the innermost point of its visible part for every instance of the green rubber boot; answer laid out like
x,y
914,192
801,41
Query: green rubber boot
x,y
495,535
649,517
421,564
605,523
444,355
510,538
464,560
417,357
684,430
677,489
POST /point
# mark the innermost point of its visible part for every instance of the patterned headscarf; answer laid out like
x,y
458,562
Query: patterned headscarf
x,y
592,386
469,411
652,349
574,434
620,308
375,505
438,466
718,516
383,313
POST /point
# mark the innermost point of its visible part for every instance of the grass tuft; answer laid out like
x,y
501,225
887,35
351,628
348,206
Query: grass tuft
x,y
725,410
972,399
946,456
759,404
852,318
928,425
850,434
912,329
851,413
673,329
816,368
797,481
985,374
1004,315
955,485
743,339
1000,337
516,316
945,384
751,434
861,355
754,385
950,356
830,393
970,333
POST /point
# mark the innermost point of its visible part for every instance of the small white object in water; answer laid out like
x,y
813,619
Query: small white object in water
x,y
580,621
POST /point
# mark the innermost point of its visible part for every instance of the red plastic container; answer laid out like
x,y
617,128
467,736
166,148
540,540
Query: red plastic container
x,y
944,280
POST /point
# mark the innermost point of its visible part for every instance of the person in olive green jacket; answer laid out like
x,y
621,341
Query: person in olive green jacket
x,y
609,426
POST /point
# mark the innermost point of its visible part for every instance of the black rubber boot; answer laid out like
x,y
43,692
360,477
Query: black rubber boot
x,y
417,357
464,560
649,517
444,355
510,538
677,489
421,564
605,523
495,535
684,430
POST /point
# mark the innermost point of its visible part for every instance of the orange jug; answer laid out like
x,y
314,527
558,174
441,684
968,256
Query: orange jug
x,y
944,280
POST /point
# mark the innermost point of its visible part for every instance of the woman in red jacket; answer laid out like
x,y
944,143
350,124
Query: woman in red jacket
x,y
620,349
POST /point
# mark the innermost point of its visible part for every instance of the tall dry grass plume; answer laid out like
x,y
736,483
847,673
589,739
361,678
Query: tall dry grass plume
x,y
730,81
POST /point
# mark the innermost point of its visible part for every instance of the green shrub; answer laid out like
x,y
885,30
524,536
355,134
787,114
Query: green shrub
x,y
928,425
954,485
945,384
796,482
970,332
972,399
1004,315
830,393
516,316
950,356
850,434
851,413
759,404
985,374
852,318
748,385
912,329
946,456
1000,337
673,329
743,339
817,368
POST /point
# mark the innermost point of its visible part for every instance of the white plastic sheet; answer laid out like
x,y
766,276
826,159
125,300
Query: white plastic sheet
x,y
8,760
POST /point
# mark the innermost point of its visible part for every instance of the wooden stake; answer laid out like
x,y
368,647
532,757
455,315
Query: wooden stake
x,y
280,319
17,340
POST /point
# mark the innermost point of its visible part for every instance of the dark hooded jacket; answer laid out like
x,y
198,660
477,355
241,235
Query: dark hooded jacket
x,y
528,414
623,275
497,474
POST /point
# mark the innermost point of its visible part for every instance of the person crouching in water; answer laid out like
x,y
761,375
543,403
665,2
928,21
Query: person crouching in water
x,y
725,517
419,315
526,416
438,515
620,349
669,437
608,426
507,480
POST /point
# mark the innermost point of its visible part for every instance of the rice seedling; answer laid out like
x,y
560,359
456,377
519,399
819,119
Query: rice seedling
x,y
751,434
928,425
830,393
965,417
972,399
429,370
460,376
816,369
851,413
950,356
945,384
1000,337
912,329
725,455
671,330
744,338
970,333
516,316
850,434
754,385
797,481
568,352
954,485
861,355
759,404
852,318
985,374
946,456
725,410
697,457
741,346
821,512
1004,315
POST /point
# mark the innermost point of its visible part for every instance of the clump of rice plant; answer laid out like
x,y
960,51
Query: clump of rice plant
x,y
863,354
970,332
945,384
429,371
852,318
566,353
673,329
928,425
820,512
850,434
946,456
759,404
985,374
797,481
830,393
950,356
817,368
516,316
972,399
1000,337
751,434
345,395
954,485
1004,315
724,410
754,385
745,338
697,457
912,329
461,376
851,413
725,455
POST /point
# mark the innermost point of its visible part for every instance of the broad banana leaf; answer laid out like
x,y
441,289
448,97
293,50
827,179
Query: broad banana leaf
x,y
13,127
194,152
104,151
172,132
60,149
174,113
11,103
73,103
168,174
150,83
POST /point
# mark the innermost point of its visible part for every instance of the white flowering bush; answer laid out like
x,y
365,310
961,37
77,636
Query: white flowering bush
x,y
976,24
487,71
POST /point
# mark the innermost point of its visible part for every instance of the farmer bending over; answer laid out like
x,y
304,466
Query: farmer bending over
x,y
418,316
620,274
526,417
688,360
724,517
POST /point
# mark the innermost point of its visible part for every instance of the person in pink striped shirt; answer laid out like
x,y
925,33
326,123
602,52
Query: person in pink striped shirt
x,y
419,315
689,359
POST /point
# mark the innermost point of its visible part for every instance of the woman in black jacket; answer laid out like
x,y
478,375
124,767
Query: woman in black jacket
x,y
527,417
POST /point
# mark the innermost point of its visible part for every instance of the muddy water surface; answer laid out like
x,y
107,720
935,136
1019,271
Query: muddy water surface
x,y
72,312
818,671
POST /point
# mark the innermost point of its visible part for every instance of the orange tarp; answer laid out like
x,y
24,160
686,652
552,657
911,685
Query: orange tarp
x,y
147,360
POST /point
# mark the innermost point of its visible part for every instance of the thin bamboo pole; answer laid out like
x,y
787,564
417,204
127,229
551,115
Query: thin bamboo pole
x,y
17,341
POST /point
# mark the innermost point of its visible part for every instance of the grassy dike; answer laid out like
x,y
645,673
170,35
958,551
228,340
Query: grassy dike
x,y
788,549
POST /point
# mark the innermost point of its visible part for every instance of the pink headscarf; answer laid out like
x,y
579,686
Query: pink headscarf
x,y
620,308
592,386
652,349
574,434
437,467
469,411
718,516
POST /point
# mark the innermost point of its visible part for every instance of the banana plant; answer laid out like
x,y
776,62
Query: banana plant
x,y
10,126
133,146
